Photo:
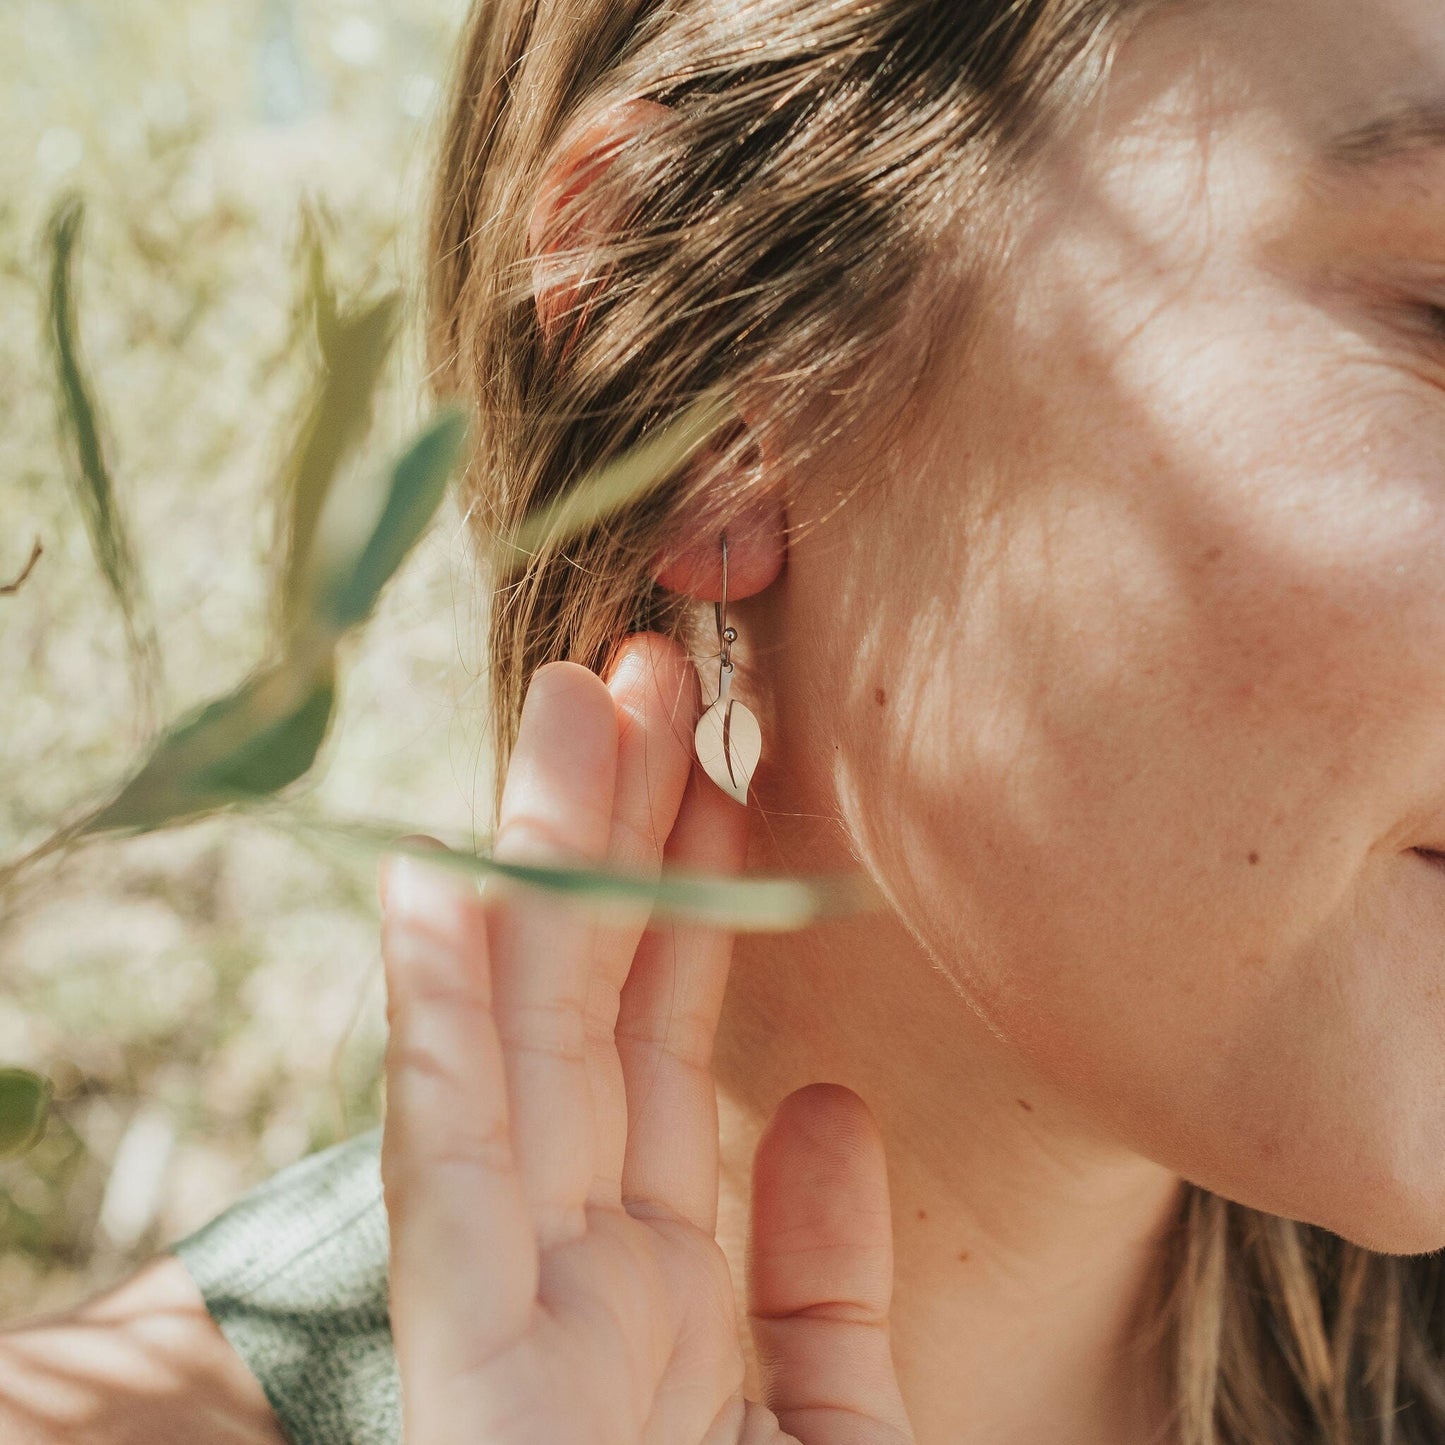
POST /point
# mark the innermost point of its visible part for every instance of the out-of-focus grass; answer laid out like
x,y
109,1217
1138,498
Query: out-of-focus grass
x,y
206,1003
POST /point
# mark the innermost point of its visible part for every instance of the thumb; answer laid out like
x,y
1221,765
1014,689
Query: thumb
x,y
820,1272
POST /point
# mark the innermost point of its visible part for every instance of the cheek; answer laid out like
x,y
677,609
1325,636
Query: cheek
x,y
1146,798
1137,805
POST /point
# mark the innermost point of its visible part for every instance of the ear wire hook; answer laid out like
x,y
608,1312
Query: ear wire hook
x,y
726,635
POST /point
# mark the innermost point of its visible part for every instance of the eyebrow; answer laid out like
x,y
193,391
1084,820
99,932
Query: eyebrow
x,y
1415,128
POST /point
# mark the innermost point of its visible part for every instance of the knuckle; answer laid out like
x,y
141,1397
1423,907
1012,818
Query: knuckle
x,y
459,1154
420,1061
415,941
685,1038
468,996
556,1030
530,837
636,838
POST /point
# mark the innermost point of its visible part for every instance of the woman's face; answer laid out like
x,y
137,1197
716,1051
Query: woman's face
x,y
1140,710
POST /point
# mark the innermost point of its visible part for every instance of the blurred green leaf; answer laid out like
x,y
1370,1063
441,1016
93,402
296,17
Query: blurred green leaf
x,y
336,422
625,479
280,752
418,485
89,472
24,1102
751,904
246,746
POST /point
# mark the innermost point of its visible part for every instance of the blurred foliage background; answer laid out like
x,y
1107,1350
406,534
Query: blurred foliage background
x,y
206,1002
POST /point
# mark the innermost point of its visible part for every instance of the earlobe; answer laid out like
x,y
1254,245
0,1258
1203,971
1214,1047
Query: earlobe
x,y
757,550
580,160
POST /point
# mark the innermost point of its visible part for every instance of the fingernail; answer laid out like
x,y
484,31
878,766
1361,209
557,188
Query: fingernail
x,y
388,861
626,668
415,888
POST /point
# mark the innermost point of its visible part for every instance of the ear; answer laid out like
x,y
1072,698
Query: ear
x,y
692,564
580,159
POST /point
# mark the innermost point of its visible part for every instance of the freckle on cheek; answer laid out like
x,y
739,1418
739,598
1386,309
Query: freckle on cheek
x,y
923,1214
963,1256
879,696
1027,1107
1253,859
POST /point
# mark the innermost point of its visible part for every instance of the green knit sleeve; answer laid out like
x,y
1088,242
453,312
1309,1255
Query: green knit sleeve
x,y
295,1274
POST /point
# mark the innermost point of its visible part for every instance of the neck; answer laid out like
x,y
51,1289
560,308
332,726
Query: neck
x,y
1029,1248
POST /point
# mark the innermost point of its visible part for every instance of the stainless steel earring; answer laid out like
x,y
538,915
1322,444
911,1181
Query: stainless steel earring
x,y
728,740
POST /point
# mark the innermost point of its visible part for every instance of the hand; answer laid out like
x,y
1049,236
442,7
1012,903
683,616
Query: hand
x,y
550,1152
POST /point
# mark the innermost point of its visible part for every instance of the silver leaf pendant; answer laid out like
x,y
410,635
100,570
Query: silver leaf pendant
x,y
729,742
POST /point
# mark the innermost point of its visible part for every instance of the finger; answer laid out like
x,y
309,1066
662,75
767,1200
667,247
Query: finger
x,y
464,1263
667,1021
556,809
656,692
384,865
820,1271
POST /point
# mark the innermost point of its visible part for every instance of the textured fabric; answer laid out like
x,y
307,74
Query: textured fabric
x,y
295,1275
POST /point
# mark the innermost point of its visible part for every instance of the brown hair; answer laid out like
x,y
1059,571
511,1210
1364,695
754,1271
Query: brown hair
x,y
819,166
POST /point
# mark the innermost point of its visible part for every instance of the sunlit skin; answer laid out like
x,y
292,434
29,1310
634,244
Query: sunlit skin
x,y
1124,678
1133,705
1141,747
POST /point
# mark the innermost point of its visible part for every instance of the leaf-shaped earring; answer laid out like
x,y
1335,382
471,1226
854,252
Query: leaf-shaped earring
x,y
728,740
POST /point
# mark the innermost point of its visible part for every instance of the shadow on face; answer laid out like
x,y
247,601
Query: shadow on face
x,y
1161,624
